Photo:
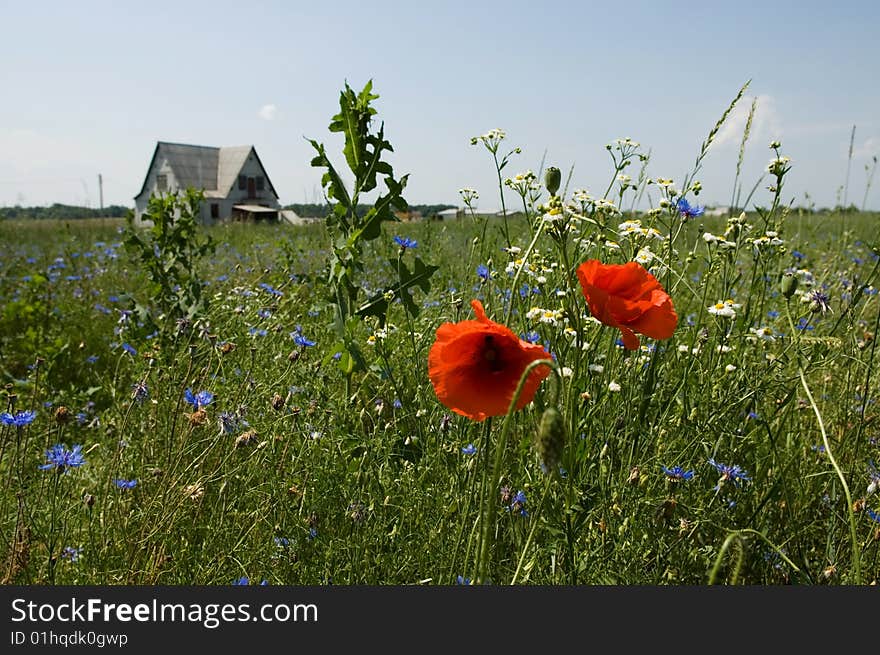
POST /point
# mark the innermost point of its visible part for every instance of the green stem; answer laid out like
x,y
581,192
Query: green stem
x,y
503,205
525,260
537,515
487,515
738,535
856,559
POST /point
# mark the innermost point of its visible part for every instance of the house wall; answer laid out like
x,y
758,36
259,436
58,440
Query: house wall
x,y
160,167
252,168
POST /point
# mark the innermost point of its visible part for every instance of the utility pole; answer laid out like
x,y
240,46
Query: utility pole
x,y
101,191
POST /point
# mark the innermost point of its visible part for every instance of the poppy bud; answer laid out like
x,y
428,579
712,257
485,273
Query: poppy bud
x,y
789,285
552,179
551,439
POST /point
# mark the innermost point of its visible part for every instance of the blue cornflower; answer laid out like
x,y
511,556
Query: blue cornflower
x,y
62,459
229,423
19,419
470,449
684,208
241,581
483,272
772,314
405,242
199,400
129,349
270,289
677,474
91,359
260,332
397,404
531,337
264,313
819,301
797,254
300,340
282,542
462,580
140,392
125,484
518,503
804,324
70,553
313,533
732,473
874,515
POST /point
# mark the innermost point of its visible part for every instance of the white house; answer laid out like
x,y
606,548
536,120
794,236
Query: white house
x,y
447,214
235,183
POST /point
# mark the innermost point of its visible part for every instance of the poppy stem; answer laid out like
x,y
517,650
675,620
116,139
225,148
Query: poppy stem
x,y
487,516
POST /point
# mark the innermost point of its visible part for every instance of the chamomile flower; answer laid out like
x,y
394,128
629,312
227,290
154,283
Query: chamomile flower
x,y
551,317
763,333
644,256
725,308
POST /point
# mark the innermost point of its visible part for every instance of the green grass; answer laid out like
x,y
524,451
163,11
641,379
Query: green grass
x,y
336,484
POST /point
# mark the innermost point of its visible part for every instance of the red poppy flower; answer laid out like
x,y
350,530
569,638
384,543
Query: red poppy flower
x,y
475,367
627,297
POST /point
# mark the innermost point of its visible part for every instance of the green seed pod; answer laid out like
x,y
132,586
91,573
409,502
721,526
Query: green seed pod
x,y
552,179
789,285
551,439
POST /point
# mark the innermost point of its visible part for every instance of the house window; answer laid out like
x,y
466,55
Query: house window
x,y
215,210
161,182
242,182
261,183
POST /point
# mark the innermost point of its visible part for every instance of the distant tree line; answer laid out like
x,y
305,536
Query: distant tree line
x,y
59,211
72,212
313,210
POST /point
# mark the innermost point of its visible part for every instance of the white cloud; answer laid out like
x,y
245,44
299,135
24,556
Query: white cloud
x,y
268,112
870,148
765,124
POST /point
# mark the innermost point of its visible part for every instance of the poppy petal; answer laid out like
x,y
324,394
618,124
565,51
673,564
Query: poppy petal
x,y
630,340
628,297
475,367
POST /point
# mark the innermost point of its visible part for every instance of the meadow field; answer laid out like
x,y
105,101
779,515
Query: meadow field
x,y
250,404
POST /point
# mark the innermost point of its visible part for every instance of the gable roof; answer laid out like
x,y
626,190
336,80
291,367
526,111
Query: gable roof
x,y
204,167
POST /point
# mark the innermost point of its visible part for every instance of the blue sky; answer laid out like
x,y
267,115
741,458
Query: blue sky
x,y
89,87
